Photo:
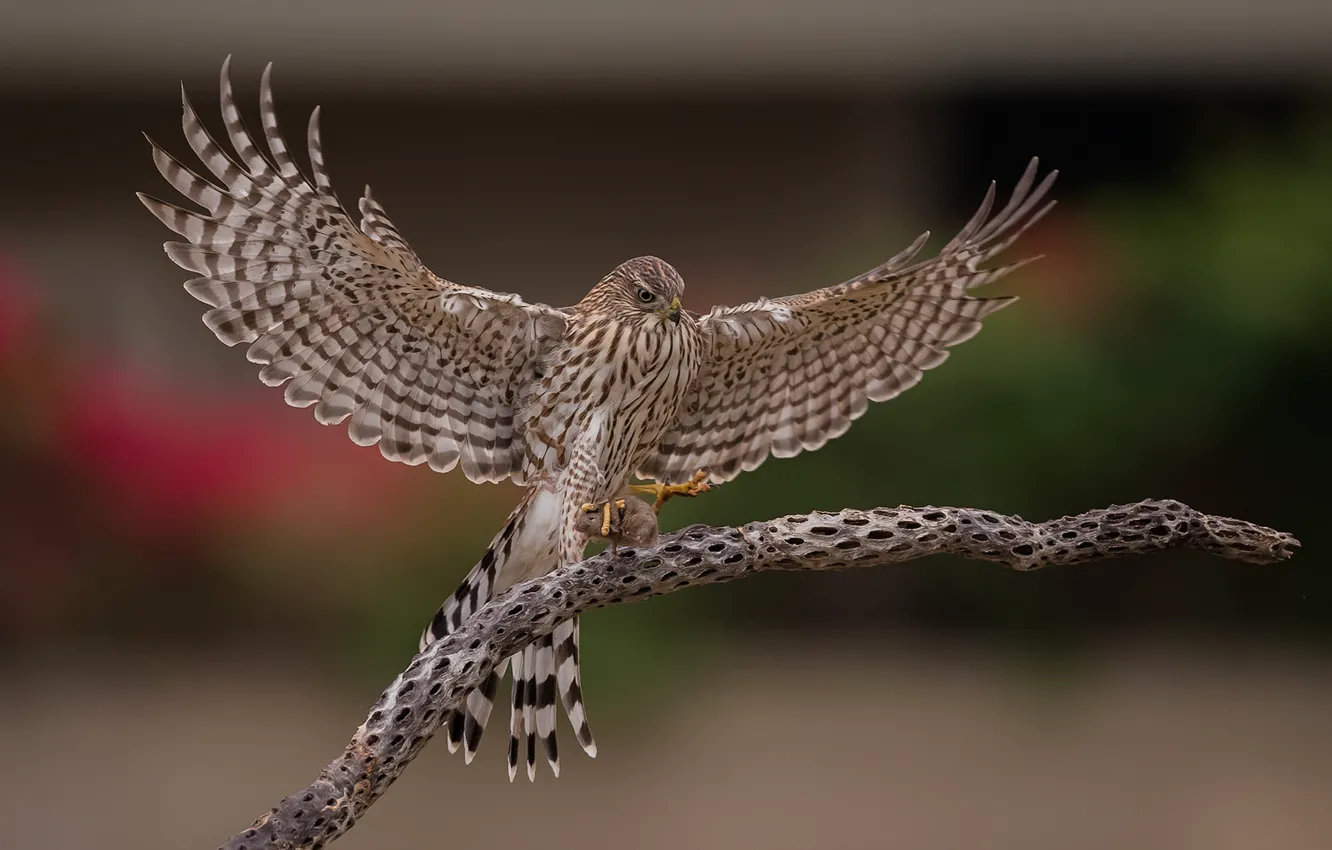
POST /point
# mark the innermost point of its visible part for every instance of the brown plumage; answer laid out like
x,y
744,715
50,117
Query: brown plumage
x,y
568,402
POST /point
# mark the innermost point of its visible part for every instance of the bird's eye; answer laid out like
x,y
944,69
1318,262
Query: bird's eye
x,y
645,296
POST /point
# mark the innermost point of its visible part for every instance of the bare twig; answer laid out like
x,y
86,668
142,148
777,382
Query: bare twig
x,y
437,680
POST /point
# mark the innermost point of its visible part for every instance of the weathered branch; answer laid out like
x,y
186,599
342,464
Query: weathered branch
x,y
437,680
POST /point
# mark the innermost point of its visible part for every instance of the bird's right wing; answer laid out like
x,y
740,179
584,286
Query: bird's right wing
x,y
786,375
349,318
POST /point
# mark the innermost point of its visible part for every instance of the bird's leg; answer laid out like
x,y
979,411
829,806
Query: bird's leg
x,y
694,486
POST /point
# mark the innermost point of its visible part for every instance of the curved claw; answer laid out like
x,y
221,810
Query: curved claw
x,y
694,486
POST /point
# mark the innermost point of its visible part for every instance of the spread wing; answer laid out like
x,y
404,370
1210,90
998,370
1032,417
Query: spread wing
x,y
348,318
787,375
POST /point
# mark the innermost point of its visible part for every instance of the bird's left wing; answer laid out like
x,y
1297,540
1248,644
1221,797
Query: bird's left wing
x,y
348,318
786,375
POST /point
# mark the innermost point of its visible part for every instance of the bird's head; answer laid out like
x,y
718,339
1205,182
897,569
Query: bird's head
x,y
644,286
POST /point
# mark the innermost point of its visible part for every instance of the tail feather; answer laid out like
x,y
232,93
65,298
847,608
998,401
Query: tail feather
x,y
528,684
516,717
480,702
548,666
569,679
475,590
544,699
453,726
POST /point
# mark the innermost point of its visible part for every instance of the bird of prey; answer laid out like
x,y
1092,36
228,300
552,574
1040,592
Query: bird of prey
x,y
573,403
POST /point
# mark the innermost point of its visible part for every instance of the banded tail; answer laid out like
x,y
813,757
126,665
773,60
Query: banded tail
x,y
525,547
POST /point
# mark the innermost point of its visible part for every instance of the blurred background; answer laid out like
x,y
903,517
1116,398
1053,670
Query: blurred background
x,y
202,590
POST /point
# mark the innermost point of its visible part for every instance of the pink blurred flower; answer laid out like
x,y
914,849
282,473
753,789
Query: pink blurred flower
x,y
173,463
158,461
18,312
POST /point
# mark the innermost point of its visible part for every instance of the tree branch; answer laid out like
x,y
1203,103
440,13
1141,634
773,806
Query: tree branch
x,y
438,679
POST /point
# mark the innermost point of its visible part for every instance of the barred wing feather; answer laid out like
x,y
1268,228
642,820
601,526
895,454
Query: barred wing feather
x,y
348,318
786,375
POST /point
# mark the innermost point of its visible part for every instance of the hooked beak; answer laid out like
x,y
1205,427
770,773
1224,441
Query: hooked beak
x,y
673,311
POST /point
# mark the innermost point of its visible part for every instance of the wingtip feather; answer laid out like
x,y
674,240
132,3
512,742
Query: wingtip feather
x,y
179,252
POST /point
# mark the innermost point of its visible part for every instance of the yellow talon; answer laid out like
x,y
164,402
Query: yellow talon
x,y
606,516
694,486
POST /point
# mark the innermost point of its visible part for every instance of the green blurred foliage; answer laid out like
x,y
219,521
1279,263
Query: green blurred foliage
x,y
1174,343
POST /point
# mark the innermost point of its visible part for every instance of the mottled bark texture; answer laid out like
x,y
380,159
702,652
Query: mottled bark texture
x,y
438,679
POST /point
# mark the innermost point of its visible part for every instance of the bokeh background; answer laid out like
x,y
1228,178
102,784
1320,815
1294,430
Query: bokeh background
x,y
201,590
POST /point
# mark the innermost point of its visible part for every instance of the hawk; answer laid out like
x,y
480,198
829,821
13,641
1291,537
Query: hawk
x,y
571,403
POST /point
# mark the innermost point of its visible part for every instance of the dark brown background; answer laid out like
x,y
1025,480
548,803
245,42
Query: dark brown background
x,y
201,591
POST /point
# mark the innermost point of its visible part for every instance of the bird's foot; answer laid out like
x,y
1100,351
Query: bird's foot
x,y
611,512
693,487
630,521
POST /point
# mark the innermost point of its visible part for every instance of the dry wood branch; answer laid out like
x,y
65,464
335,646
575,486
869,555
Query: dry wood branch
x,y
437,680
